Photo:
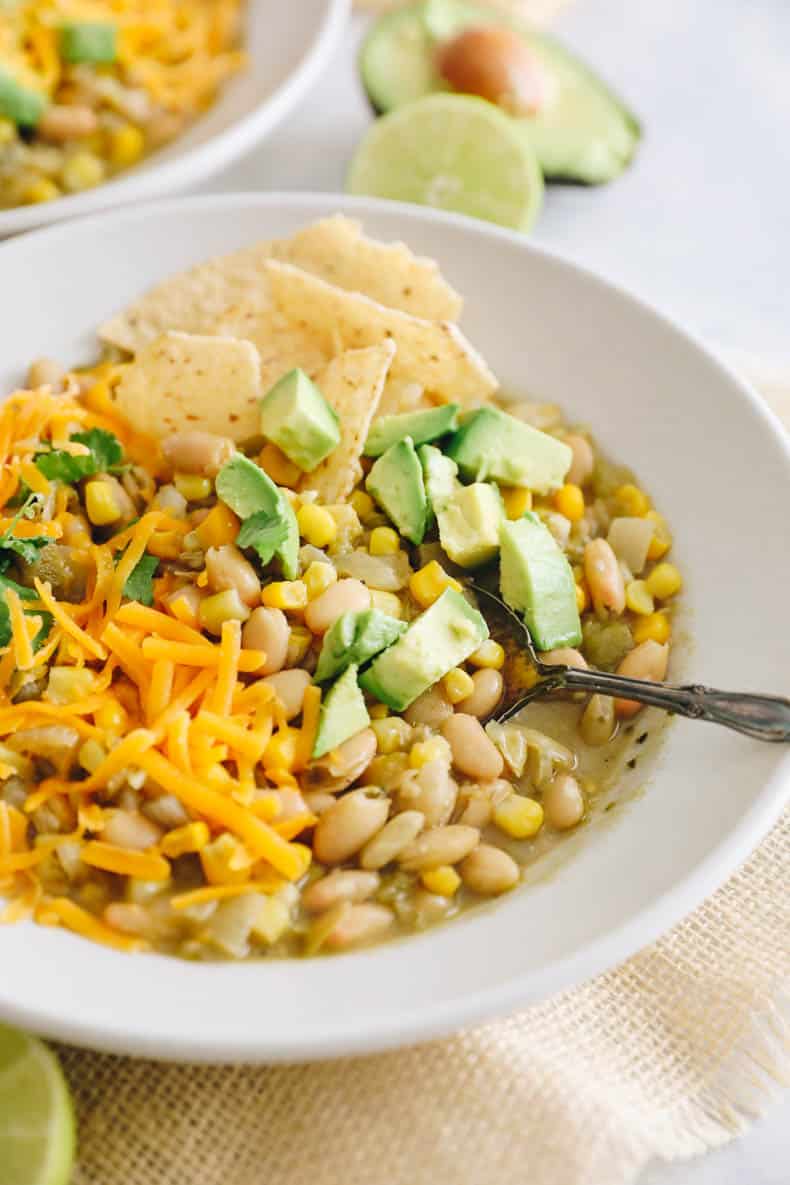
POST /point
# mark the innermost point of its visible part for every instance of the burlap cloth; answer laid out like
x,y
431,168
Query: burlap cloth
x,y
671,1054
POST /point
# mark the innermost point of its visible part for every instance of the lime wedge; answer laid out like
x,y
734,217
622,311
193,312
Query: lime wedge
x,y
453,152
36,1116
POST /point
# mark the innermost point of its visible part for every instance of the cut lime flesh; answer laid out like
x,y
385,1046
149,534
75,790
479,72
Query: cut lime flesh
x,y
452,152
37,1138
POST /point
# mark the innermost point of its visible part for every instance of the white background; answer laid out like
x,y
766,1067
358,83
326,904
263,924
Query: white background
x,y
700,226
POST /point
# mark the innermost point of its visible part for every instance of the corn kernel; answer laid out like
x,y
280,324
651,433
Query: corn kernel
x,y
633,501
488,654
444,880
569,501
582,599
219,526
274,462
298,644
166,545
318,577
662,538
654,628
519,817
285,594
316,525
126,145
280,753
303,852
110,717
517,500
386,602
82,170
43,189
222,606
363,504
193,487
458,684
192,837
226,861
434,749
67,685
664,581
101,504
384,541
392,733
638,597
428,584
378,711
91,755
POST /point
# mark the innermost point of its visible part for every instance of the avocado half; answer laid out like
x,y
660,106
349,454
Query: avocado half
x,y
585,134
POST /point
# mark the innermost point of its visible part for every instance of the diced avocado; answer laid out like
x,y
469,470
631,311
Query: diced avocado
x,y
88,41
440,475
296,417
469,524
490,444
536,580
247,490
396,482
435,642
356,637
582,131
343,713
20,103
421,426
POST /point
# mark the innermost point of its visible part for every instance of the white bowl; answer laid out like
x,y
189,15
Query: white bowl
x,y
717,464
288,46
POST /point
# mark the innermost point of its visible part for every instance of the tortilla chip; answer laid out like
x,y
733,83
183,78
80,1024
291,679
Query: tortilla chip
x,y
352,383
281,345
183,381
433,353
336,250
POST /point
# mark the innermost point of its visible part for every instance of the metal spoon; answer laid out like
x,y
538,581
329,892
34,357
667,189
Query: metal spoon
x,y
764,717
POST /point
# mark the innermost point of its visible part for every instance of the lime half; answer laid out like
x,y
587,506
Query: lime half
x,y
36,1116
453,152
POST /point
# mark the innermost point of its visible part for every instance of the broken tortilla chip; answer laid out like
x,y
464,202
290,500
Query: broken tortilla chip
x,y
281,344
336,250
195,301
435,351
352,384
183,380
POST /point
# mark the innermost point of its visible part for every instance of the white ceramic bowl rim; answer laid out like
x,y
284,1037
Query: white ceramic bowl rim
x,y
456,1006
185,169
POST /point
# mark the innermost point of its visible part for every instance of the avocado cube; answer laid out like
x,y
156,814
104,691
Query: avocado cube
x,y
396,482
421,426
536,580
21,104
435,642
296,417
491,445
88,41
469,524
356,637
247,490
343,713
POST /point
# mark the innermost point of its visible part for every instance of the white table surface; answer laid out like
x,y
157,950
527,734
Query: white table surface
x,y
700,226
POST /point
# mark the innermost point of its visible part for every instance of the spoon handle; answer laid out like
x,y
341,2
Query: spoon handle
x,y
765,717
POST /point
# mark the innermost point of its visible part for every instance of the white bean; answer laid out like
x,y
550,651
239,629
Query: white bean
x,y
649,661
203,453
565,656
563,802
359,924
267,630
431,708
44,372
429,790
487,693
583,459
394,836
289,687
130,829
226,567
348,825
604,578
489,871
344,764
442,845
341,885
474,753
66,121
342,597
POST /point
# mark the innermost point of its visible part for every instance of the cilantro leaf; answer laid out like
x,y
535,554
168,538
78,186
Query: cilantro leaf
x,y
139,584
25,549
105,453
263,533
25,594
